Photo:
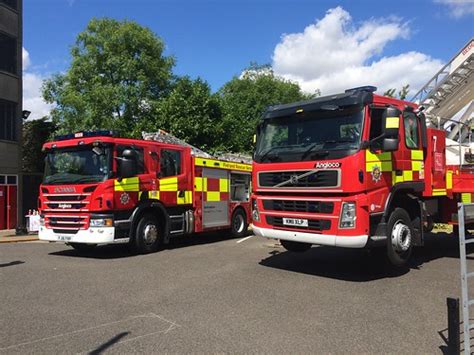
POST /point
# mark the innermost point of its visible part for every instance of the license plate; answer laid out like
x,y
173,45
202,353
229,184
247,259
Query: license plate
x,y
64,238
297,222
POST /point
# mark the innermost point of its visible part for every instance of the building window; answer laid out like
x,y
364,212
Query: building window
x,y
8,120
10,3
9,54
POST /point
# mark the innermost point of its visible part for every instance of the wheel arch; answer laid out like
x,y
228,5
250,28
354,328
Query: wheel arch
x,y
408,195
154,207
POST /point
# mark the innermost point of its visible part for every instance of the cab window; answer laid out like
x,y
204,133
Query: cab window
x,y
138,153
411,131
376,127
170,162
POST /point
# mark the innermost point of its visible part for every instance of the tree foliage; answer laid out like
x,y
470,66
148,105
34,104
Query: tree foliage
x,y
118,74
245,98
35,134
402,93
191,112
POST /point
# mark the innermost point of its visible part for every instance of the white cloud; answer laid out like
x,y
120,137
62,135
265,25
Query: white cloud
x,y
334,54
459,8
32,98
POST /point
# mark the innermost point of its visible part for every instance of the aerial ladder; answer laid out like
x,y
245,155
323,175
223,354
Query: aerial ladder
x,y
445,95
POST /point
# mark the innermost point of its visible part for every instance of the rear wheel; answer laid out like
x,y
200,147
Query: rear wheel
x,y
239,224
297,247
399,238
83,247
148,235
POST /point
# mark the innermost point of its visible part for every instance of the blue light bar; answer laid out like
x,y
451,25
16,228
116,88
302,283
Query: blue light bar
x,y
86,134
367,88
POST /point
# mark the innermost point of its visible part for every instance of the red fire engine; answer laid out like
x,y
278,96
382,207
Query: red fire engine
x,y
100,189
353,170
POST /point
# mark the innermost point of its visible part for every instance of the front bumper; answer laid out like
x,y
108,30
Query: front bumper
x,y
357,241
98,235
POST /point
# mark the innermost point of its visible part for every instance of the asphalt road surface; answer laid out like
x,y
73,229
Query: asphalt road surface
x,y
216,294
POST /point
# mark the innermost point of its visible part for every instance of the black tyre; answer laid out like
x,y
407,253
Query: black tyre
x,y
297,247
83,247
239,224
148,235
399,238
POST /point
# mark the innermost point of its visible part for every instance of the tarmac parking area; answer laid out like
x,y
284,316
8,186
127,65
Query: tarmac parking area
x,y
216,294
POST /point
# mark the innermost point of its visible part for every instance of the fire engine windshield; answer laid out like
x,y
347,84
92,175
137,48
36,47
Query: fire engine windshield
x,y
331,133
78,166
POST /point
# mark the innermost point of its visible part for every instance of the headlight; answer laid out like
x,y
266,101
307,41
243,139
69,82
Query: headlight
x,y
348,215
255,214
101,222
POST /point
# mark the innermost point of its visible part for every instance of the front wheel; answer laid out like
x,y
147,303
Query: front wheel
x,y
148,234
399,238
239,224
297,247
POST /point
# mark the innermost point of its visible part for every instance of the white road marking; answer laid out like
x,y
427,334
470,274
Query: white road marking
x,y
149,315
244,239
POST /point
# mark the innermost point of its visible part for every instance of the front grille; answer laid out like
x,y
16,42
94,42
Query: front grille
x,y
298,206
66,224
319,178
313,224
65,202
65,231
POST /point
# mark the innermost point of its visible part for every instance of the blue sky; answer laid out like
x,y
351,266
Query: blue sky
x,y
217,39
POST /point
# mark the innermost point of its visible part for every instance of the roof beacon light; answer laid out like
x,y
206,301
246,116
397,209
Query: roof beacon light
x,y
367,88
85,134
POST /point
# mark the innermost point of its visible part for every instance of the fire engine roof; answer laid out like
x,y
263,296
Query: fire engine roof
x,y
349,98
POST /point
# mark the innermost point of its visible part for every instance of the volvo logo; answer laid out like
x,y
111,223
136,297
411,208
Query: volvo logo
x,y
65,189
294,179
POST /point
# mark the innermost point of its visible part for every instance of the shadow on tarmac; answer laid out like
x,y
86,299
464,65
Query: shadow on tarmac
x,y
12,263
124,251
362,265
108,344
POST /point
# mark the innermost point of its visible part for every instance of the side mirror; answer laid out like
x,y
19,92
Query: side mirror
x,y
127,164
390,144
391,122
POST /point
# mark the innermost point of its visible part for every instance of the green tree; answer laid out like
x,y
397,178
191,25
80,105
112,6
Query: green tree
x,y
402,93
190,112
245,98
35,134
118,74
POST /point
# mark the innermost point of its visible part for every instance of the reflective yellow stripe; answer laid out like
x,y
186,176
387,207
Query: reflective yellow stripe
x,y
371,157
185,199
407,175
416,165
396,178
212,163
154,194
131,184
439,192
223,185
449,179
213,196
384,166
392,122
198,183
416,155
169,184
466,198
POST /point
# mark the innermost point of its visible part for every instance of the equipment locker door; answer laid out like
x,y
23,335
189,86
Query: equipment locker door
x,y
215,208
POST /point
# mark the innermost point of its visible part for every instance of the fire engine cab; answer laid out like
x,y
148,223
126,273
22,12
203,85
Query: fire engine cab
x,y
353,170
100,189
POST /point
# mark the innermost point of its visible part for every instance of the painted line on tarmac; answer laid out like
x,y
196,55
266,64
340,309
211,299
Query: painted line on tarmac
x,y
244,239
172,325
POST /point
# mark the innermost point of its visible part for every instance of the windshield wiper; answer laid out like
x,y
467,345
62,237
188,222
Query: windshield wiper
x,y
311,148
267,155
